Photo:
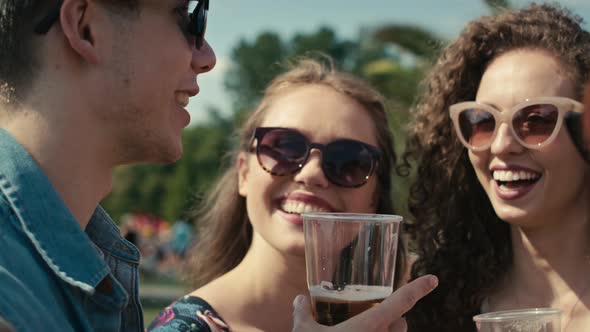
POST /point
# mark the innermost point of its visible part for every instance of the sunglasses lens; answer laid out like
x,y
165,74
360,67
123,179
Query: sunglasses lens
x,y
198,24
477,126
534,124
201,22
347,163
282,151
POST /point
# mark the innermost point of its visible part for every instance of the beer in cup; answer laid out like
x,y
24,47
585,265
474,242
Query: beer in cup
x,y
350,260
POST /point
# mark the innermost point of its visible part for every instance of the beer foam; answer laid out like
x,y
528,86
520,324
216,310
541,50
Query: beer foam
x,y
353,293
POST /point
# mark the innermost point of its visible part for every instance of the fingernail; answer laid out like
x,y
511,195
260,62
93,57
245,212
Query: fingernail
x,y
433,281
298,300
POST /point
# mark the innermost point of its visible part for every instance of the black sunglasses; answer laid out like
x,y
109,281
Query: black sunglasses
x,y
196,27
345,162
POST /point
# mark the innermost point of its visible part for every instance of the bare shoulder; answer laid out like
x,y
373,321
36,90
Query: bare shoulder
x,y
219,293
210,292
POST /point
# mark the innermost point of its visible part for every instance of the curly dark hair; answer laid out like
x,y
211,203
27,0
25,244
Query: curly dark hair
x,y
456,233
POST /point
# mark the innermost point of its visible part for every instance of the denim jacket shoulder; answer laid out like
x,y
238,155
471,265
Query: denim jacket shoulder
x,y
52,272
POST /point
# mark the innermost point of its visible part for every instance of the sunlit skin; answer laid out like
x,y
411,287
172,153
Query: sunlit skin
x,y
550,218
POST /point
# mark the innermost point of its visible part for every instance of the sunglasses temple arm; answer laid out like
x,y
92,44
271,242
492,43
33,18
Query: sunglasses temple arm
x,y
573,121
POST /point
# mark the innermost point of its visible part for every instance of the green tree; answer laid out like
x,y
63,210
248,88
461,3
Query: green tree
x,y
257,62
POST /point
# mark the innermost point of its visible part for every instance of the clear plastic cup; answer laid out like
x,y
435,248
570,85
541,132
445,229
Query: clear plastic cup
x,y
523,320
350,260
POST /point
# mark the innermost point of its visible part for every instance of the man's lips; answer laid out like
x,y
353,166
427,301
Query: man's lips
x,y
182,96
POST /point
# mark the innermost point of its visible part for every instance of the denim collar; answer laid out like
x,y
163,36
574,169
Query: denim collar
x,y
106,235
54,233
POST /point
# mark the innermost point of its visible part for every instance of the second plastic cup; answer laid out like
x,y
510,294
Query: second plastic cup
x,y
524,320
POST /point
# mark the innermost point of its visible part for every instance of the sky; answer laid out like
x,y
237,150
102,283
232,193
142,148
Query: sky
x,y
230,21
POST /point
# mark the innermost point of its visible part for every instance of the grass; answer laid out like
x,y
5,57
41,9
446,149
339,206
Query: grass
x,y
157,293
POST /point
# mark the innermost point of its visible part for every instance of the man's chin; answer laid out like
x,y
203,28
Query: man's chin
x,y
164,157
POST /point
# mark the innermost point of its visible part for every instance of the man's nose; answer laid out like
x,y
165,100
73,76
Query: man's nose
x,y
204,59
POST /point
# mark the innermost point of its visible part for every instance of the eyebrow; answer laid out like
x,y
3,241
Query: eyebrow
x,y
490,104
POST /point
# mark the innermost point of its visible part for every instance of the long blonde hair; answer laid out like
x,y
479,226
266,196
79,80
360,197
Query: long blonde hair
x,y
224,232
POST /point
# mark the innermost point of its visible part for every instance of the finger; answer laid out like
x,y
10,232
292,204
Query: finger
x,y
397,303
302,316
406,297
399,325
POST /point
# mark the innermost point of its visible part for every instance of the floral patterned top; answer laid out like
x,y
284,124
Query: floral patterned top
x,y
188,314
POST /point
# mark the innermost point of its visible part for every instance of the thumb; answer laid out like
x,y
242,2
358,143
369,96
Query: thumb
x,y
302,316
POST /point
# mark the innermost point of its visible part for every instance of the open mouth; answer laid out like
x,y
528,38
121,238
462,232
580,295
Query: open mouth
x,y
297,207
515,179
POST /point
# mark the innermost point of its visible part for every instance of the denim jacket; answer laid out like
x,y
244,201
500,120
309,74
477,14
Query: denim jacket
x,y
54,276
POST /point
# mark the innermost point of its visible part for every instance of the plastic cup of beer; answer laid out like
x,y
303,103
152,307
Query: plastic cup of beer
x,y
350,260
523,320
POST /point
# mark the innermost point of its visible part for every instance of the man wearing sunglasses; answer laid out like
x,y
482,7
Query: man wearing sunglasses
x,y
86,85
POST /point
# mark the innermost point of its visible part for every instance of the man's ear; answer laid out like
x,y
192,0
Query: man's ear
x,y
78,21
242,165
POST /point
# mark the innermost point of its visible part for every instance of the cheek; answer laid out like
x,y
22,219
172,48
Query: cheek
x,y
175,55
560,155
260,185
362,199
480,163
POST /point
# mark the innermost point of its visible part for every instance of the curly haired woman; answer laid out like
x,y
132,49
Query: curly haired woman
x,y
501,200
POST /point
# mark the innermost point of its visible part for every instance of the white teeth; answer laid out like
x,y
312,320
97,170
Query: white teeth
x,y
506,176
182,98
300,207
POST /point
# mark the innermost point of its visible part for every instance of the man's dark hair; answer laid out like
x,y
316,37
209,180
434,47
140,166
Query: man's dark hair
x,y
18,56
